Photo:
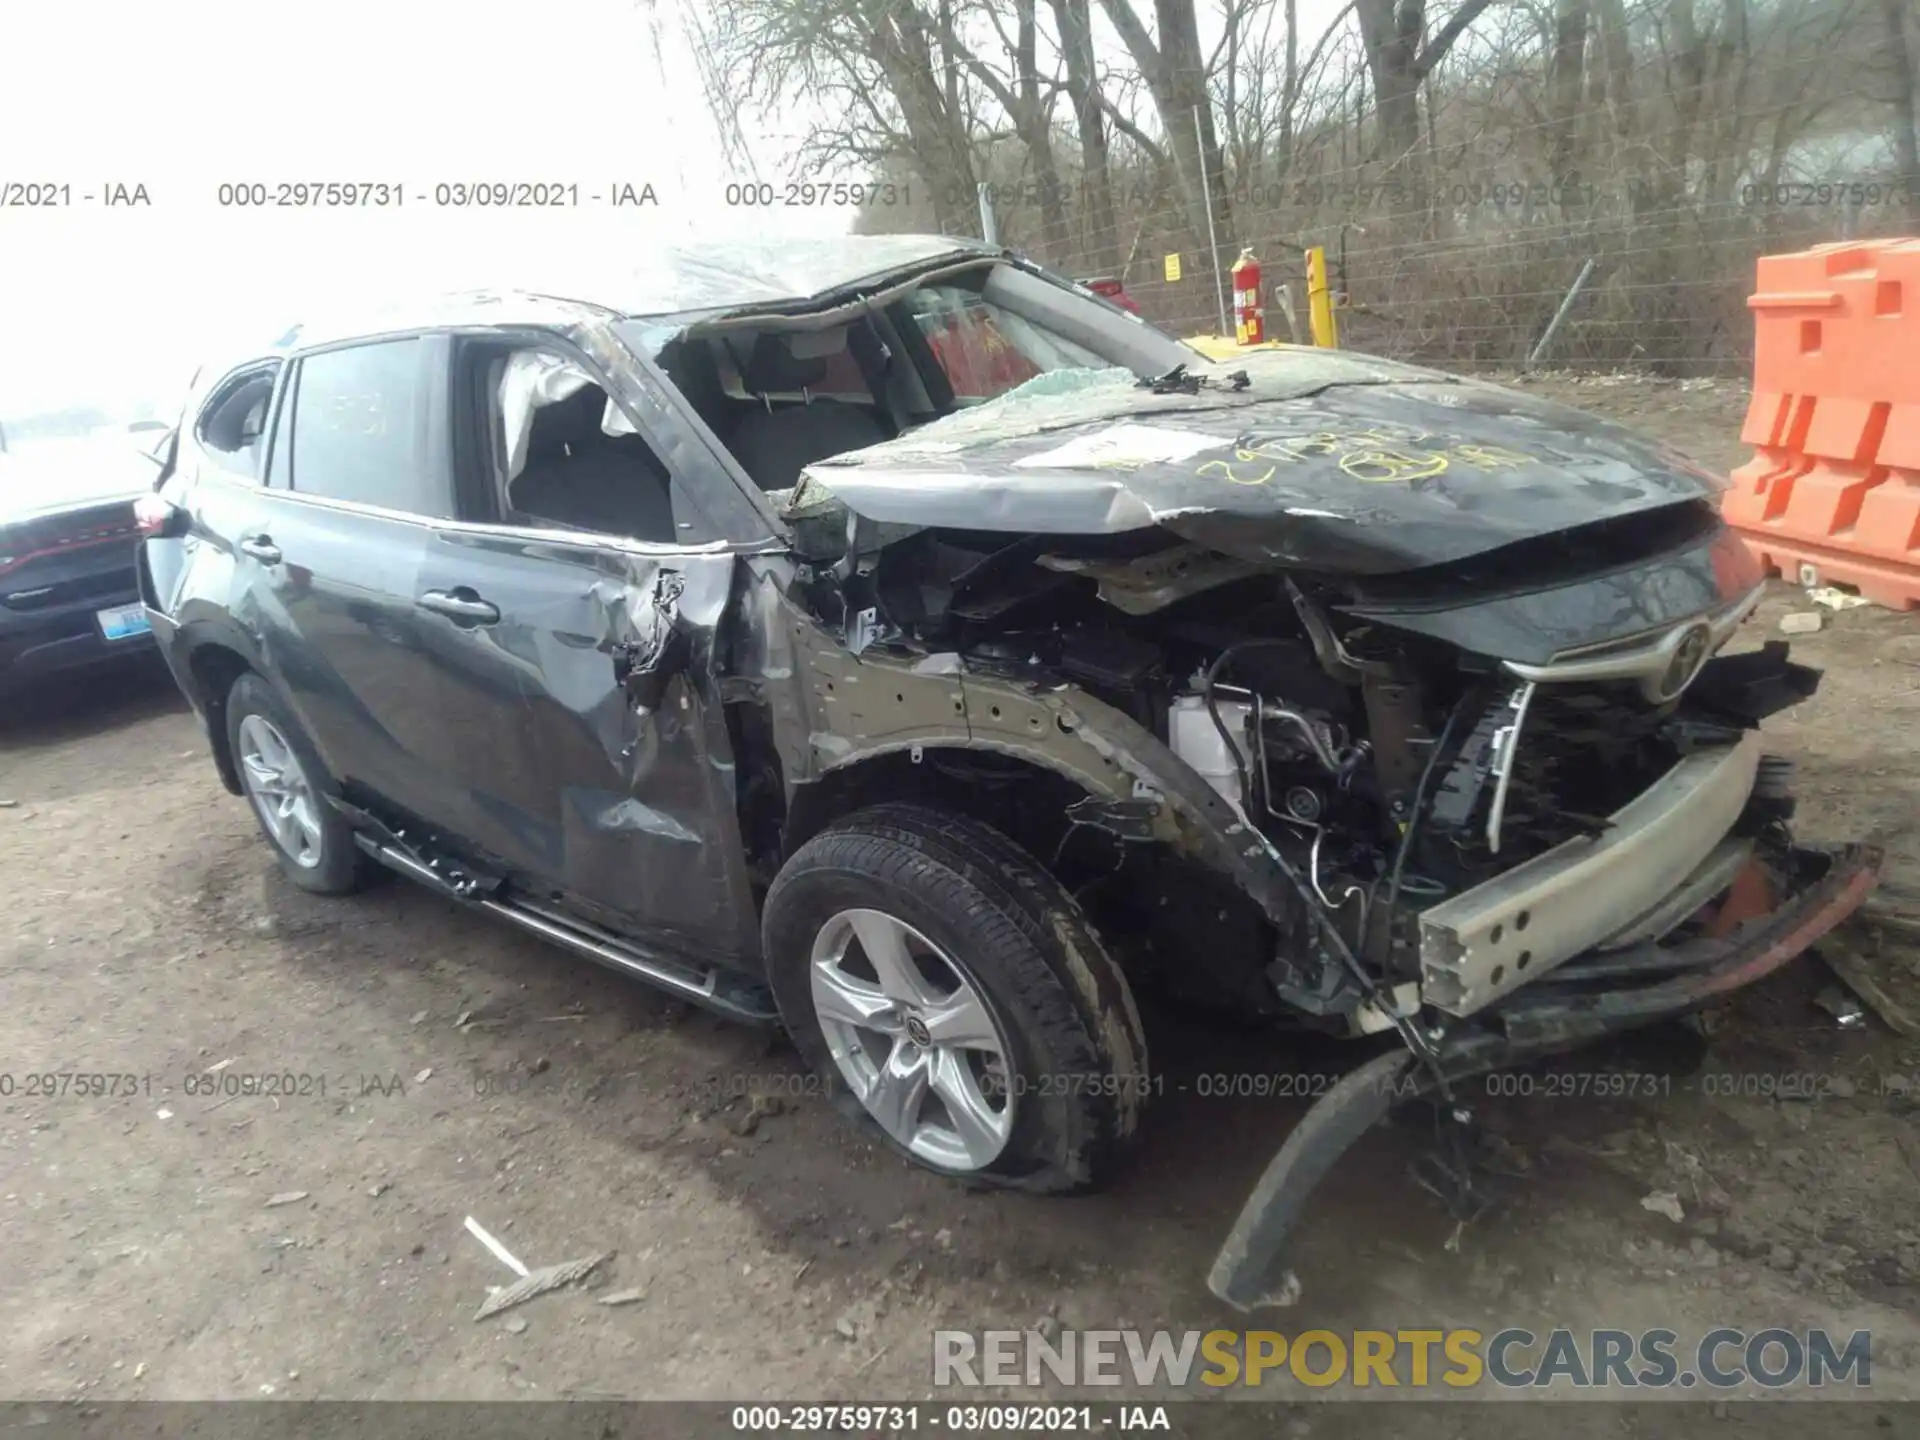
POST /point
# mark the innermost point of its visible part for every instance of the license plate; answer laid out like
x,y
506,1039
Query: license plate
x,y
123,622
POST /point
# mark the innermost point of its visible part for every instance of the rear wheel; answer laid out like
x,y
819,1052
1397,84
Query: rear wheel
x,y
953,999
287,787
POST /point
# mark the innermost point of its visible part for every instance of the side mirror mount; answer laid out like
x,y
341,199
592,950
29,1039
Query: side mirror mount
x,y
645,666
646,678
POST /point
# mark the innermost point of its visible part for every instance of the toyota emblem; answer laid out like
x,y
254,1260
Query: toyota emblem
x,y
1688,657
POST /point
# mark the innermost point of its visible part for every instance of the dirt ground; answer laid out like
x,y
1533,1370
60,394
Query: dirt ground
x,y
151,1250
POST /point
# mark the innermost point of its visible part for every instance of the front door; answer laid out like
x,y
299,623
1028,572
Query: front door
x,y
576,562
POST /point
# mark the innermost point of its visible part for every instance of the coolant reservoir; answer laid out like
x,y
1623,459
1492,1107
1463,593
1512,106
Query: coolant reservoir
x,y
1192,735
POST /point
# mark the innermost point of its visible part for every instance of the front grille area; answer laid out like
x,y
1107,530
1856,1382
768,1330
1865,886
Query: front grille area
x,y
1584,751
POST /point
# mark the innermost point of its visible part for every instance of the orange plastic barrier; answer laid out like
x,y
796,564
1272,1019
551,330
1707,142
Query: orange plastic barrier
x,y
1832,494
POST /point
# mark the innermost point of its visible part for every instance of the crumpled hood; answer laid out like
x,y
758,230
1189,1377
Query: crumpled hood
x,y
1331,462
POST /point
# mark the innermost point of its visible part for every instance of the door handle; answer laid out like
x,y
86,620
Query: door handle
x,y
261,548
461,606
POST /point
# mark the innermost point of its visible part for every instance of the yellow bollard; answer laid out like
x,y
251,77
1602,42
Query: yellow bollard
x,y
1326,330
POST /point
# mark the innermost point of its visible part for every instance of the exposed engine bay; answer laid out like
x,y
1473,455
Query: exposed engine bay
x,y
1397,775
1449,653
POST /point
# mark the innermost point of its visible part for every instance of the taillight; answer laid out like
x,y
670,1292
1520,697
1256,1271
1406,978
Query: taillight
x,y
156,518
1107,287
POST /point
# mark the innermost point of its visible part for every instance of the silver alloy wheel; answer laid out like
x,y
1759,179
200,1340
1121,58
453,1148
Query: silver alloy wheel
x,y
280,790
913,1038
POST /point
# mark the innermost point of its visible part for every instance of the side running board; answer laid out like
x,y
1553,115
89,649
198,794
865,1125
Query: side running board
x,y
706,986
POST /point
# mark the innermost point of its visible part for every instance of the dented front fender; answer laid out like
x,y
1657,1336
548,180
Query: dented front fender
x,y
834,709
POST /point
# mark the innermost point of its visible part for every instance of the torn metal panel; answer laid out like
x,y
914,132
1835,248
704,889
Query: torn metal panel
x,y
1344,465
732,275
768,638
670,284
860,707
661,644
1153,582
587,749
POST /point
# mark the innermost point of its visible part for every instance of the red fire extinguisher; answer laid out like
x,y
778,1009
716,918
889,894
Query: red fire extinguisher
x,y
1249,325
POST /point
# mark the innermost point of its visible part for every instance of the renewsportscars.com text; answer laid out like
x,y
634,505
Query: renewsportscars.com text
x,y
1512,1358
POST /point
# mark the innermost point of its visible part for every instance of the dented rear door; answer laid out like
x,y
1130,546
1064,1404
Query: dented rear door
x,y
559,770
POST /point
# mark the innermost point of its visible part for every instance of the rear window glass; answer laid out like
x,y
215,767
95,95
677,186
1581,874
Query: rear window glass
x,y
791,365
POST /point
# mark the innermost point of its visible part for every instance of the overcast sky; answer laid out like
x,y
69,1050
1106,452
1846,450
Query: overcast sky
x,y
112,306
104,306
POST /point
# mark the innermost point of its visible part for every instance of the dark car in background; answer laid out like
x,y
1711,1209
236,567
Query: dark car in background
x,y
892,639
69,545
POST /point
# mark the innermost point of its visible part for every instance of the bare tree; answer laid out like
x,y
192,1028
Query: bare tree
x,y
1400,57
1258,83
1025,97
1681,127
1074,22
877,66
1176,76
1616,48
1566,69
1906,139
901,40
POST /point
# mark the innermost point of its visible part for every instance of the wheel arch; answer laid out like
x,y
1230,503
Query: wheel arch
x,y
211,668
1066,737
1172,917
935,774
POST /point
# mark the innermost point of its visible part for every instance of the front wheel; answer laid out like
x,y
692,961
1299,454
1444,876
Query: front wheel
x,y
953,998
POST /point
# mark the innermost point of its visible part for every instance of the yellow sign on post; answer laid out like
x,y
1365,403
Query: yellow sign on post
x,y
1326,331
1172,265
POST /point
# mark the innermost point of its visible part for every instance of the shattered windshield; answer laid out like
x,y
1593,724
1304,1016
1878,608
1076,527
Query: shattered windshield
x,y
985,349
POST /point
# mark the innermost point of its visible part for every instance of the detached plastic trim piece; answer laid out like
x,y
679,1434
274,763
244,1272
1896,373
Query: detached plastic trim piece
x,y
1249,1271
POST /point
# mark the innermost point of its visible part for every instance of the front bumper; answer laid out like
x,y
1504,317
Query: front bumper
x,y
1584,1000
1508,932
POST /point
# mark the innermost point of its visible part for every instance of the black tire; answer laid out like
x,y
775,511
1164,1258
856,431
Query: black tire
x,y
341,867
1076,1056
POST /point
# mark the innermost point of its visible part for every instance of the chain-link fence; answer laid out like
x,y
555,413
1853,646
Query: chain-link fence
x,y
1475,285
1456,261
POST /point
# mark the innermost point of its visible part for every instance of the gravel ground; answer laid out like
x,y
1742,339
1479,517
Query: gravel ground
x,y
172,1241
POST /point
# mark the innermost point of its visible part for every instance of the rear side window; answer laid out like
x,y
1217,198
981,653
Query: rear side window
x,y
358,429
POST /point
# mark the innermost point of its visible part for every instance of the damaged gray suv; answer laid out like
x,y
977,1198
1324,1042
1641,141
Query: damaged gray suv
x,y
890,639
